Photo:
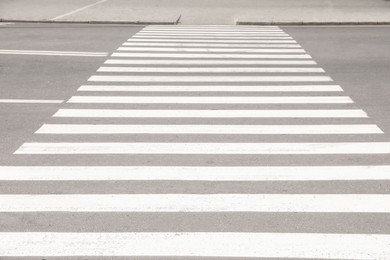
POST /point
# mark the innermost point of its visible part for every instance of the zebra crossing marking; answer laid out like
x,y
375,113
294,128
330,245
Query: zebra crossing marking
x,y
210,70
320,203
182,173
206,148
210,55
213,88
213,34
211,100
230,41
219,78
197,244
201,46
227,37
214,45
207,129
213,31
209,50
172,113
208,62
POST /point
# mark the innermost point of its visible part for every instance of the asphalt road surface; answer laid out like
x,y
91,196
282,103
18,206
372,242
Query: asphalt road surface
x,y
212,142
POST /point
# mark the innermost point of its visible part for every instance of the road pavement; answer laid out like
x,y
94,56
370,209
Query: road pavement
x,y
189,142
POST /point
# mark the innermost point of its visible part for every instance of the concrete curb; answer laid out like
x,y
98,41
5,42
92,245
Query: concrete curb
x,y
312,23
87,22
178,21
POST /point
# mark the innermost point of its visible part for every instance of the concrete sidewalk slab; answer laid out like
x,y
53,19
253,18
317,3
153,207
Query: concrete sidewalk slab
x,y
199,12
38,9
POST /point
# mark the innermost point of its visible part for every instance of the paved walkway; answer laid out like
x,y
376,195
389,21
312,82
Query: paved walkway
x,y
199,12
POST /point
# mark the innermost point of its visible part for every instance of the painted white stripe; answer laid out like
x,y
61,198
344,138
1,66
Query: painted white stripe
x,y
139,113
211,31
176,173
153,78
214,88
209,62
210,26
211,100
208,30
210,55
209,50
212,41
275,37
78,10
31,101
346,203
226,35
211,70
222,45
54,53
208,129
213,35
198,244
233,28
206,148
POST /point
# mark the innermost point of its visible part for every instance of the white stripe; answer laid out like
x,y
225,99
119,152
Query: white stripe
x,y
54,53
31,101
210,55
198,244
211,30
275,37
212,26
212,35
139,113
206,148
211,69
123,173
210,78
222,45
211,100
212,41
78,10
209,50
214,88
209,62
207,129
346,203
226,35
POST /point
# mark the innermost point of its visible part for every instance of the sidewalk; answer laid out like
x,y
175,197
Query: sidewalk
x,y
199,12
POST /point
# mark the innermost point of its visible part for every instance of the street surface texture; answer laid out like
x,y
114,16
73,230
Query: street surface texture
x,y
194,142
200,11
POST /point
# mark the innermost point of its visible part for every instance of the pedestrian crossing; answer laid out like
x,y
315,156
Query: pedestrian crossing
x,y
197,142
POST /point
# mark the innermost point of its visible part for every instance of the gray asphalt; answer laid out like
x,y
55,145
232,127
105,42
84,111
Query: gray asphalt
x,y
357,58
46,77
